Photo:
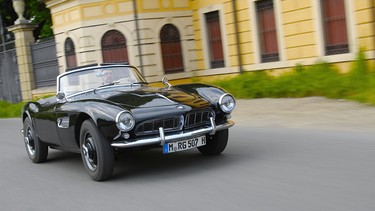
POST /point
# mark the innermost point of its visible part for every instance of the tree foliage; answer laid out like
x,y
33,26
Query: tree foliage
x,y
35,11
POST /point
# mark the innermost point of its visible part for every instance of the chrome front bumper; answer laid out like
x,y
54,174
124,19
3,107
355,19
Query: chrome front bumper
x,y
162,138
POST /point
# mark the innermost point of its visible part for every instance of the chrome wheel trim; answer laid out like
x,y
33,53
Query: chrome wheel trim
x,y
89,152
30,142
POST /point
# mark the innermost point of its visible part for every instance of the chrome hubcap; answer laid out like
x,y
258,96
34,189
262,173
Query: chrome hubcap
x,y
89,153
29,142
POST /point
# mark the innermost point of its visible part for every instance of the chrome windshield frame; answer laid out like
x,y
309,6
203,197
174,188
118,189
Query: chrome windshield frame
x,y
79,70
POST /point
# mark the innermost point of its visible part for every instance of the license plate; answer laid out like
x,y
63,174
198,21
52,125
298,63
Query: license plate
x,y
184,145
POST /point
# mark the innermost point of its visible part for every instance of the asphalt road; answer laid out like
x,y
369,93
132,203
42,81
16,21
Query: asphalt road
x,y
263,168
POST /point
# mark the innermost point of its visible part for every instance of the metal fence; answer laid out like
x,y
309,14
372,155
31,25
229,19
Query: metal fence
x,y
45,64
9,78
45,67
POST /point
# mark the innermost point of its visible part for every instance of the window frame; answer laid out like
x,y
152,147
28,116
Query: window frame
x,y
120,48
215,44
204,37
266,57
329,34
167,57
70,53
280,37
352,33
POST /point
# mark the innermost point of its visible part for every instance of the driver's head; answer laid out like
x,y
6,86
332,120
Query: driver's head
x,y
107,76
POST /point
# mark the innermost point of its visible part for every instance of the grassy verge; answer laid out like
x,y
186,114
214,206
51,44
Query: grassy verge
x,y
13,110
321,79
9,110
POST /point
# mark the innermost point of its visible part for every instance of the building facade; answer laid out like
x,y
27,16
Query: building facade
x,y
199,38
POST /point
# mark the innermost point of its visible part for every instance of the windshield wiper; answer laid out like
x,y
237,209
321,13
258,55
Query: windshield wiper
x,y
108,84
117,82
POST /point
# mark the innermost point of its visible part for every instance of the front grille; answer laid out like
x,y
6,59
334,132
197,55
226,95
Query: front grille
x,y
169,124
198,118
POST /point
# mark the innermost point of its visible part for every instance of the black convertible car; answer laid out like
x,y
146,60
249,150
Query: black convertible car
x,y
100,110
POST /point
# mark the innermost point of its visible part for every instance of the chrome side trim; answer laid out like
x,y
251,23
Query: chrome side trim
x,y
63,122
162,138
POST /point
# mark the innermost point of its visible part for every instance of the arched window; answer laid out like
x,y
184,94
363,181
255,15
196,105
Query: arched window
x,y
70,54
114,47
171,49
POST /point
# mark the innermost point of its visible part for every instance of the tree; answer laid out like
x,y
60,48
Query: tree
x,y
35,11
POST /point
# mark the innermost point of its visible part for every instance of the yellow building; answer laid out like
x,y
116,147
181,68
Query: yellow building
x,y
185,38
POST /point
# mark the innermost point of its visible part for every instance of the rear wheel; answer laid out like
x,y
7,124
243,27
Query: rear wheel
x,y
97,154
36,150
215,144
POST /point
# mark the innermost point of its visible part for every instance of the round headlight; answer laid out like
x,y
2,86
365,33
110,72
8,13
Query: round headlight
x,y
227,103
125,121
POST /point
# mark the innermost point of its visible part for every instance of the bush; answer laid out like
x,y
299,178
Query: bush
x,y
321,79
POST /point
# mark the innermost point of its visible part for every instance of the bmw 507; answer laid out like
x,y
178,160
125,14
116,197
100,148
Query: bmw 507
x,y
100,110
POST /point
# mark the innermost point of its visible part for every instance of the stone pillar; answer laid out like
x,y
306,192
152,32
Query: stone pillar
x,y
23,33
24,37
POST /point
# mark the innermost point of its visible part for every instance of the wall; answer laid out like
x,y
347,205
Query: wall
x,y
85,23
299,27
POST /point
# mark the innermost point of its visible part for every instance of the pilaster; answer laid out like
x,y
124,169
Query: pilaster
x,y
23,33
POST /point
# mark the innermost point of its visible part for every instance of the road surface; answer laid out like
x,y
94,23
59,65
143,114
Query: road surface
x,y
272,166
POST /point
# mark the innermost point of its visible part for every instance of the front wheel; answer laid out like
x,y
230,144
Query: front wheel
x,y
215,144
36,149
97,154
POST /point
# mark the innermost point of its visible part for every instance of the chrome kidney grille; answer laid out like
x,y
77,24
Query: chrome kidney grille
x,y
169,124
198,118
193,119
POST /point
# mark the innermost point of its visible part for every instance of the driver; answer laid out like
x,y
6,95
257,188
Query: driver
x,y
107,77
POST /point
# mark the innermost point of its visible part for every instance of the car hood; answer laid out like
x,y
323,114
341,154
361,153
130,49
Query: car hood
x,y
146,97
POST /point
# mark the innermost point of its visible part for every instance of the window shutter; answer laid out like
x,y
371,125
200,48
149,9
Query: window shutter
x,y
171,49
335,30
114,47
267,31
214,39
70,54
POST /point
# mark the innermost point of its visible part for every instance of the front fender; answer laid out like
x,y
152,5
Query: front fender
x,y
102,113
25,111
208,92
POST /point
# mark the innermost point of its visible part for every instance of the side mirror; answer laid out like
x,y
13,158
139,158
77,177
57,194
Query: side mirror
x,y
165,82
60,96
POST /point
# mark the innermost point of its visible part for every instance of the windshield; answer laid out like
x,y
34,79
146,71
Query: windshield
x,y
92,78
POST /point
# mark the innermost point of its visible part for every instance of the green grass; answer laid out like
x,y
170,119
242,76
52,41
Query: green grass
x,y
321,79
9,110
13,110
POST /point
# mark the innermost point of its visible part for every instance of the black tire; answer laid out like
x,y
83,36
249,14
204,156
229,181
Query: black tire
x,y
36,149
215,144
97,154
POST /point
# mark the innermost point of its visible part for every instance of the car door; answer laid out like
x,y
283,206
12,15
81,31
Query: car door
x,y
66,117
45,121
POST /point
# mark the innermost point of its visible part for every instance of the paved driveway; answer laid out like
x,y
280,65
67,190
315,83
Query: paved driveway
x,y
312,112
